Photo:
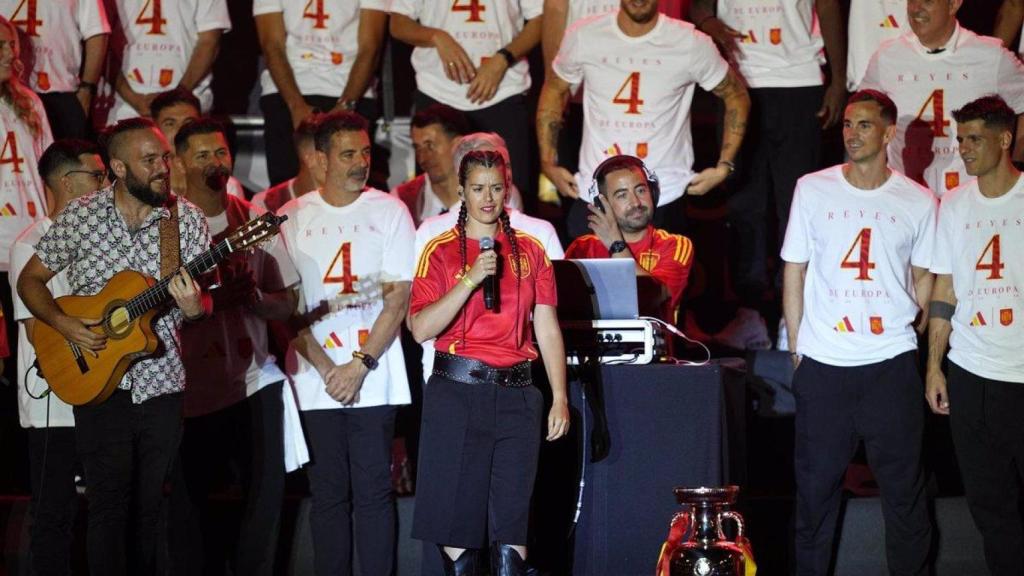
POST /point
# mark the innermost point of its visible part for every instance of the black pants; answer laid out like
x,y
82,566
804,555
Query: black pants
x,y
511,120
350,475
67,119
52,464
478,462
782,143
836,407
126,450
278,133
241,444
988,435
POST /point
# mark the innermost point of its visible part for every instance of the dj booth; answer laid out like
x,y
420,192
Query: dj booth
x,y
667,426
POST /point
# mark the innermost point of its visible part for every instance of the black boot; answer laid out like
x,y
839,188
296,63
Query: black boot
x,y
506,561
467,564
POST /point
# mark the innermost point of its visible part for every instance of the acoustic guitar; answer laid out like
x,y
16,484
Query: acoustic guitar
x,y
126,306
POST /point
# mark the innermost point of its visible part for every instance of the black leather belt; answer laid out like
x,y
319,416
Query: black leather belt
x,y
471,371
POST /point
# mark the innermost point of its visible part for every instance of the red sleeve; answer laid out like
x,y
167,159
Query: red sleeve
x,y
674,262
544,288
583,247
428,286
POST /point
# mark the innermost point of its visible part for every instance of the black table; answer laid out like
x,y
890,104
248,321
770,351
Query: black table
x,y
668,426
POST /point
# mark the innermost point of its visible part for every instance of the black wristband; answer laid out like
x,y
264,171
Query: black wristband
x,y
90,86
509,57
940,309
616,247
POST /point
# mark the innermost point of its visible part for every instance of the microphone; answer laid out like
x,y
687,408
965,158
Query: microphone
x,y
487,243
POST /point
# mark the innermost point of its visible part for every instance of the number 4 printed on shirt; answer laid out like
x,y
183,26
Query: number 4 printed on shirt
x,y
28,23
939,122
9,153
155,17
863,262
317,15
995,265
346,279
634,101
474,7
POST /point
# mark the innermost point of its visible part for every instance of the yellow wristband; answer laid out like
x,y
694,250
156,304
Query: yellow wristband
x,y
469,283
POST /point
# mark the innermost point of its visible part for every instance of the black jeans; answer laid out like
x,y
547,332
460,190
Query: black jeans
x,y
126,450
350,471
52,466
988,436
247,437
836,407
67,119
511,120
782,143
278,133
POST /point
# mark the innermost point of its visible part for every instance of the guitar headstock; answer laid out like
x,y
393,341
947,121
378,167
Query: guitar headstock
x,y
255,231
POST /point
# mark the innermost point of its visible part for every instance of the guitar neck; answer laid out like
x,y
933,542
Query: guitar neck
x,y
157,294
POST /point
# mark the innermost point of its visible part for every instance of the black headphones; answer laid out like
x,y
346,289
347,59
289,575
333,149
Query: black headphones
x,y
616,163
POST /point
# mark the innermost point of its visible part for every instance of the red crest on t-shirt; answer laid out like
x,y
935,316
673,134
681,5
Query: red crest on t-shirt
x,y
775,35
1006,316
166,75
43,80
876,325
952,180
337,58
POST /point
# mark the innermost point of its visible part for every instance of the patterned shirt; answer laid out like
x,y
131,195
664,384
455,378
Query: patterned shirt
x,y
91,240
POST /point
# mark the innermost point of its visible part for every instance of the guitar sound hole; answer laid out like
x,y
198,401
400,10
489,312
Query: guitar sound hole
x,y
119,322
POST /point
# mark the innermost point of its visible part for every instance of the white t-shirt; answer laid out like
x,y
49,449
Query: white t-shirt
x,y
22,199
226,356
435,226
781,45
56,29
32,412
978,243
322,41
871,23
928,87
159,39
481,27
638,94
859,303
580,9
343,255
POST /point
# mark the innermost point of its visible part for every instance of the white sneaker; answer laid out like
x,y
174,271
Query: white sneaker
x,y
747,331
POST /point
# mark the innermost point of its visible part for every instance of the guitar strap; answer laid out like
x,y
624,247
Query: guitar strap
x,y
170,241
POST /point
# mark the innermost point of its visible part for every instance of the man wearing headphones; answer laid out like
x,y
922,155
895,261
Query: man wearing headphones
x,y
625,193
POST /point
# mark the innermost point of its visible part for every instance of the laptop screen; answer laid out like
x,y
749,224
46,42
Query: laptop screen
x,y
596,289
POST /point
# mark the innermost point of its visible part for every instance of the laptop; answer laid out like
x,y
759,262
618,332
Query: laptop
x,y
596,289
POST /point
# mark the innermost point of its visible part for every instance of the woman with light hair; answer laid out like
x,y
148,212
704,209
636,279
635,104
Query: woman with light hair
x,y
24,134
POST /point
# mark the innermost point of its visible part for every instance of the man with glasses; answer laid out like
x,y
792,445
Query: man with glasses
x,y
69,169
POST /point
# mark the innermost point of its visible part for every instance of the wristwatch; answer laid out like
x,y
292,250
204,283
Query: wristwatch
x,y
369,361
509,57
616,247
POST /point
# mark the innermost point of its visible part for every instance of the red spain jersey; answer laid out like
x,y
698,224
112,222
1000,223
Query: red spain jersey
x,y
666,257
502,338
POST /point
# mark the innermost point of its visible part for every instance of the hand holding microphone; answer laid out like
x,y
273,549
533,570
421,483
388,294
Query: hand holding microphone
x,y
483,271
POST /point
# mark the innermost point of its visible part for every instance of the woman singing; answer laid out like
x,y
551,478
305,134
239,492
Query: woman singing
x,y
481,415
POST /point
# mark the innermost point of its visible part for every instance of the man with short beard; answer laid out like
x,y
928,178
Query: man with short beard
x,y
127,442
236,394
857,251
353,248
622,228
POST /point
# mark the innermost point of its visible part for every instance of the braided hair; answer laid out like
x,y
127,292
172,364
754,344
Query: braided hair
x,y
486,159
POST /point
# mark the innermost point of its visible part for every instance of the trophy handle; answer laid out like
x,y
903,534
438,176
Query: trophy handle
x,y
735,517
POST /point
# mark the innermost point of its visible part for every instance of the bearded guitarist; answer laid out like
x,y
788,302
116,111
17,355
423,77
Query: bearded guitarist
x,y
127,442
